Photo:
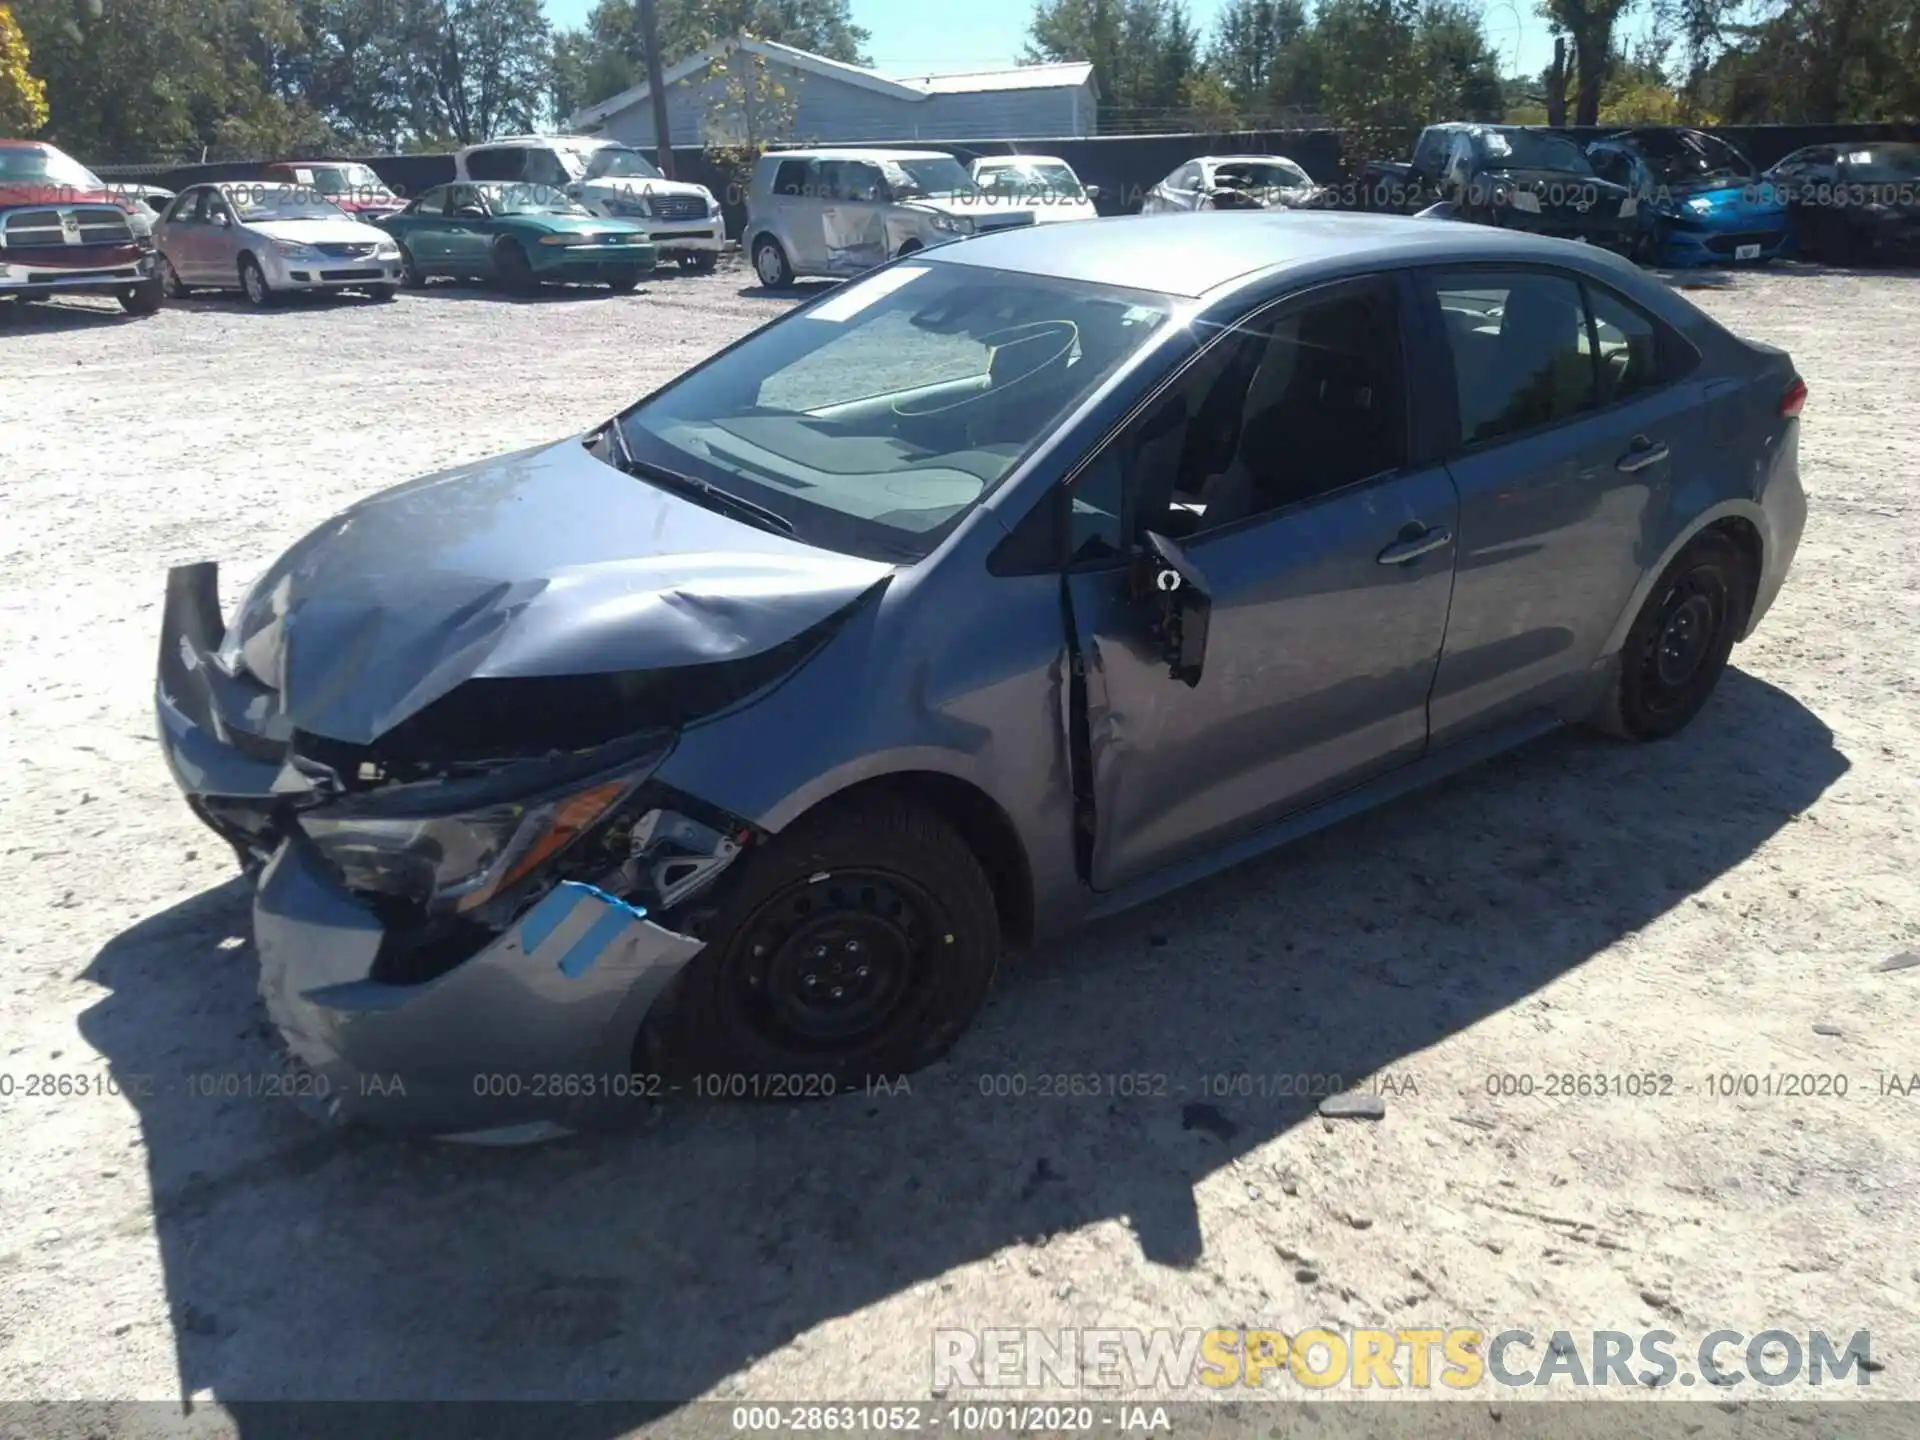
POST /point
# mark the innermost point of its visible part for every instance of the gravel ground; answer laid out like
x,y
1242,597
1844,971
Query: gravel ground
x,y
1717,905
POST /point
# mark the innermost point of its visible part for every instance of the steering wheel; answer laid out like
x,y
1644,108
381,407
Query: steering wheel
x,y
1027,349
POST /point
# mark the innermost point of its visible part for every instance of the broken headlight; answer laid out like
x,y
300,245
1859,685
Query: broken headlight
x,y
451,847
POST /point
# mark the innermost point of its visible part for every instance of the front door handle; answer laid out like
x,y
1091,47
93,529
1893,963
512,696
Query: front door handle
x,y
1425,543
1645,452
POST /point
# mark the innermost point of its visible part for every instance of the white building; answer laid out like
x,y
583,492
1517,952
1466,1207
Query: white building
x,y
743,90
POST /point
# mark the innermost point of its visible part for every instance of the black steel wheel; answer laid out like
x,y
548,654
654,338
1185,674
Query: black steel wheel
x,y
857,945
515,270
1680,641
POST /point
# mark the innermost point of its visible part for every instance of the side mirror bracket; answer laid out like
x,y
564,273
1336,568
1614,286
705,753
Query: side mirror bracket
x,y
1164,578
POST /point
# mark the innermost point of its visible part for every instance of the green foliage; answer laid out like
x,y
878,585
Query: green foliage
x,y
1144,52
23,97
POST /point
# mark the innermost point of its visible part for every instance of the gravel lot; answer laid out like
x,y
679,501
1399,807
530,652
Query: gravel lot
x,y
1716,905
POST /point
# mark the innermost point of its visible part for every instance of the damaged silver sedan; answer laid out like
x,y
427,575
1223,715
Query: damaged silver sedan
x,y
728,745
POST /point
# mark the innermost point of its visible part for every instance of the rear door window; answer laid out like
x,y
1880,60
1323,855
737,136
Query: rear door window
x,y
1522,356
791,178
501,163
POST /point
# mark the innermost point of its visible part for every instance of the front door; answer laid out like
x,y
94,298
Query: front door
x,y
221,243
423,228
186,235
465,239
1572,425
1278,464
854,219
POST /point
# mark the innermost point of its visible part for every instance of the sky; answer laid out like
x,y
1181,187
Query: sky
x,y
921,38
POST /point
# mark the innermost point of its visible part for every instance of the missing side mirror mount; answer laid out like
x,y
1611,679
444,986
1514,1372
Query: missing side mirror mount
x,y
1167,580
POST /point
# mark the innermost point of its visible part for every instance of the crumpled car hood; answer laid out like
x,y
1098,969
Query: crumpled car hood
x,y
546,562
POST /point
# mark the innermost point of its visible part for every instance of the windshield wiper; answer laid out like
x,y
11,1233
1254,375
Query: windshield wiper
x,y
713,496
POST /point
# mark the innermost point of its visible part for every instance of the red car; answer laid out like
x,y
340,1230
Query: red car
x,y
63,230
355,188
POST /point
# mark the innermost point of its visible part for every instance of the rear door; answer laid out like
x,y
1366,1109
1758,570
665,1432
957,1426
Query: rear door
x,y
1573,413
799,206
1279,463
184,243
222,240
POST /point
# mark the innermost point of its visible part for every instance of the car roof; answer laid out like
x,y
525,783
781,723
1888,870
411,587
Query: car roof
x,y
1019,160
1242,159
868,152
557,142
1191,255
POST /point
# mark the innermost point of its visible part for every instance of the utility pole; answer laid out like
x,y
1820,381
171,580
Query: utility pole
x,y
650,35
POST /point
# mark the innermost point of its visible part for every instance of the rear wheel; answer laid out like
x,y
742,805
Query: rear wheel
x,y
143,299
770,263
1834,242
859,944
515,270
700,262
1680,641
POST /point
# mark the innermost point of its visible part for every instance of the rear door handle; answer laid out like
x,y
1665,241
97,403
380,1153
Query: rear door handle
x,y
1425,543
1645,452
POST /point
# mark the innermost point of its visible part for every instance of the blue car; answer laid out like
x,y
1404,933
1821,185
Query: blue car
x,y
1701,201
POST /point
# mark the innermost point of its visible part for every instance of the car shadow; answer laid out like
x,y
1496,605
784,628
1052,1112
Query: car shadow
x,y
301,1263
799,292
47,316
551,293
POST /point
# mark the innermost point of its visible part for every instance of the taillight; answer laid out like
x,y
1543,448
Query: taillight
x,y
1795,400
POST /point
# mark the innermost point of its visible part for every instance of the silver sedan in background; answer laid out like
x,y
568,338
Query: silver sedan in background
x,y
1232,182
267,239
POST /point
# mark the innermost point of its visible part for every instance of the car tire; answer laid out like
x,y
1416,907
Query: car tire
x,y
410,271
770,264
143,299
1674,654
253,283
624,282
171,282
879,898
515,270
385,294
1833,242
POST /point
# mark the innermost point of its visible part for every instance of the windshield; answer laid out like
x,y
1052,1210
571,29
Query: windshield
x,y
1054,181
1884,163
1689,157
1529,150
618,162
875,419
1260,175
43,165
279,202
505,199
936,175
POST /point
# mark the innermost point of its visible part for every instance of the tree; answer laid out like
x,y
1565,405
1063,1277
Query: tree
x,y
23,98
1249,49
1143,54
1587,26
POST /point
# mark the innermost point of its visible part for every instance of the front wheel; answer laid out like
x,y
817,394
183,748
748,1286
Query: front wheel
x,y
770,263
1680,641
515,270
143,299
170,281
623,282
253,283
383,293
700,262
410,270
857,945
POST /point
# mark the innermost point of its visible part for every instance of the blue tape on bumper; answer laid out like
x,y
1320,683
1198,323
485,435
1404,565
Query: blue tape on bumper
x,y
566,898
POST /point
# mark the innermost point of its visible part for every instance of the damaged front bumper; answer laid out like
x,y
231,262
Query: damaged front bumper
x,y
528,1027
536,1030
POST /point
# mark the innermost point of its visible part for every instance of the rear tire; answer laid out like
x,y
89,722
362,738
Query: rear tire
x,y
410,270
143,299
1834,242
857,945
770,263
700,262
1674,654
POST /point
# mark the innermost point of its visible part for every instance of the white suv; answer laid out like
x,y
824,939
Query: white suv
x,y
683,220
839,212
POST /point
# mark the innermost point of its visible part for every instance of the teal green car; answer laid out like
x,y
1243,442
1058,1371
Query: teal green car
x,y
523,236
